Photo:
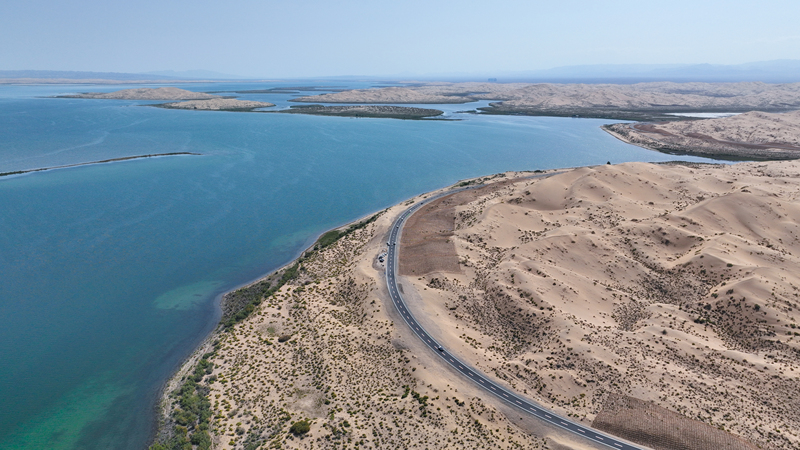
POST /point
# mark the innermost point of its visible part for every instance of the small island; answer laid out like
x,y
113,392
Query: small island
x,y
162,93
377,111
217,104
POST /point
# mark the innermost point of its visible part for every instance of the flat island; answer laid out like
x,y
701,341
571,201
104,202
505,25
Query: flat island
x,y
217,104
162,93
382,111
603,293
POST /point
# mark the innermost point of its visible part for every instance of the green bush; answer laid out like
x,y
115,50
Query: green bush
x,y
300,427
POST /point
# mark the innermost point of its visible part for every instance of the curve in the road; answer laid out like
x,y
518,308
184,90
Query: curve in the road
x,y
473,374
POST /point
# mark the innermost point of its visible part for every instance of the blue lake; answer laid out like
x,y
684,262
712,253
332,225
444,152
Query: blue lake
x,y
110,274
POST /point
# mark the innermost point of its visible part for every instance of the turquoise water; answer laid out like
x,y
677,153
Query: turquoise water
x,y
110,274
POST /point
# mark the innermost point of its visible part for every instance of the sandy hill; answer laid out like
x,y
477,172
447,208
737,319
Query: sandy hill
x,y
670,284
658,302
162,93
750,135
559,99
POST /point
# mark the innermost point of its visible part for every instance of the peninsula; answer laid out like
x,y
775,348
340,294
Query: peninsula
x,y
601,293
752,135
644,102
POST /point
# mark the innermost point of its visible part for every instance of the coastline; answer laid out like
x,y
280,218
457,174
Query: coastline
x,y
166,404
267,325
624,133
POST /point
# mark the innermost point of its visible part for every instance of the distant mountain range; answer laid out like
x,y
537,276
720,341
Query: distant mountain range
x,y
778,71
197,75
118,76
75,75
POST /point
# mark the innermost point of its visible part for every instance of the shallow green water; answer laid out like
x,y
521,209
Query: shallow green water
x,y
110,274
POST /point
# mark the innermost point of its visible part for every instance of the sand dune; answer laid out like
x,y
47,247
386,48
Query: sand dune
x,y
604,100
674,285
749,135
666,283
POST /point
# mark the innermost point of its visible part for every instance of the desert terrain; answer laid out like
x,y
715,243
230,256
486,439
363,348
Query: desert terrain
x,y
667,285
666,292
643,101
217,104
328,350
750,135
162,93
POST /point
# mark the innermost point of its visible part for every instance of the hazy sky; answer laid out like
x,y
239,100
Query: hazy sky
x,y
268,38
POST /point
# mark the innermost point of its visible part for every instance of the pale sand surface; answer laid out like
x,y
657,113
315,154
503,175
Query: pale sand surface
x,y
218,104
672,284
162,93
753,134
667,283
522,97
346,365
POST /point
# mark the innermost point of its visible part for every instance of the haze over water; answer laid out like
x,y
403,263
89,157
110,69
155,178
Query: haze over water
x,y
110,273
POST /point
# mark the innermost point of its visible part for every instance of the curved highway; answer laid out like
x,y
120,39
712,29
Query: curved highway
x,y
473,374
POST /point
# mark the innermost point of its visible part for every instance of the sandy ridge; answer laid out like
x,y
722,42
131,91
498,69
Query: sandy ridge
x,y
754,134
522,97
669,284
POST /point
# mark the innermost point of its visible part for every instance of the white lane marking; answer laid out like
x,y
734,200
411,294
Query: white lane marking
x,y
564,423
581,431
618,445
519,402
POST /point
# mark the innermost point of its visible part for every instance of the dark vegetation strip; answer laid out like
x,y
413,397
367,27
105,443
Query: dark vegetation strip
x,y
126,158
190,418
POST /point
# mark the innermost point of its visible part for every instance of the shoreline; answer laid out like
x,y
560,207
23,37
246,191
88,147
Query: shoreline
x,y
164,406
618,131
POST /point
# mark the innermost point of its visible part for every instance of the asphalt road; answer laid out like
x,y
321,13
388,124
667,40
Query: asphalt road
x,y
473,374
